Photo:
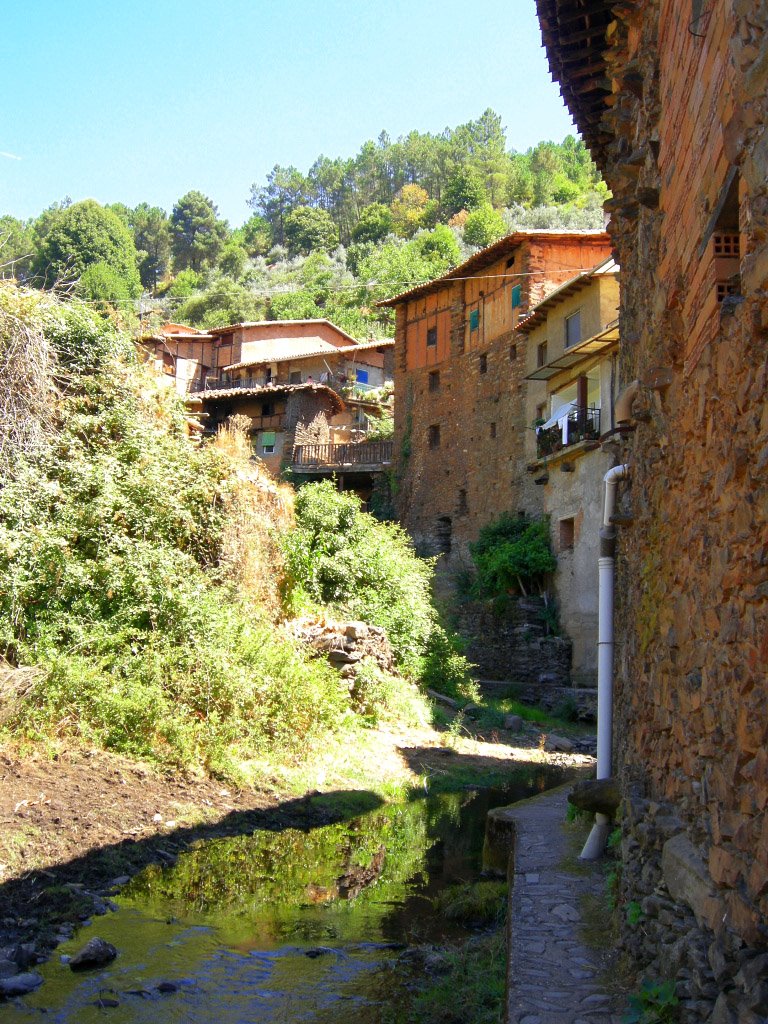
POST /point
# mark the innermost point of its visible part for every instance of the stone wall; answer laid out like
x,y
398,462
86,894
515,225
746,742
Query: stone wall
x,y
690,152
512,646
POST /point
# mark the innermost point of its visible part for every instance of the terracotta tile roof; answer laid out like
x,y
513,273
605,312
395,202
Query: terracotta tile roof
x,y
276,323
485,257
215,395
297,354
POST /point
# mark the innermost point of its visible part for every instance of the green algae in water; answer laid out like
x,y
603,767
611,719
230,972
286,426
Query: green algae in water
x,y
282,926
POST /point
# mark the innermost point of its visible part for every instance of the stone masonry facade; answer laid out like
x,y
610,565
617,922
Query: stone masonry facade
x,y
459,399
683,145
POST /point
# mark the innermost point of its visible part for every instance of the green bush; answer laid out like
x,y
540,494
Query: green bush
x,y
111,552
512,554
342,557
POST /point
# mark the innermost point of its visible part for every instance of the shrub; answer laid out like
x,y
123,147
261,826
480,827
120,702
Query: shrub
x,y
343,557
512,554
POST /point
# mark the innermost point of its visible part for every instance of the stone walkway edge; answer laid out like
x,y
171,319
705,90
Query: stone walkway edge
x,y
553,975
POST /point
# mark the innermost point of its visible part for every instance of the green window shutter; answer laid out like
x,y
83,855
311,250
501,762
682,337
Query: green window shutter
x,y
268,437
517,296
474,319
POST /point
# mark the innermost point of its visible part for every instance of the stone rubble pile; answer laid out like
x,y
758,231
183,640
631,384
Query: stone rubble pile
x,y
345,644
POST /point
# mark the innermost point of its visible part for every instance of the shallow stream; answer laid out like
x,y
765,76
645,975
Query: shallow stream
x,y
280,926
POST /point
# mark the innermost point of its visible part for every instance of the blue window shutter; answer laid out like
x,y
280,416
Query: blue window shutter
x,y
474,319
517,296
362,376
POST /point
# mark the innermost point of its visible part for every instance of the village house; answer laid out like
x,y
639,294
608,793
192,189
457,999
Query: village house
x,y
310,390
571,360
459,384
671,96
181,355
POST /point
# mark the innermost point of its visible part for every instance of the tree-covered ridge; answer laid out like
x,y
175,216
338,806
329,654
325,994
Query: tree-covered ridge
x,y
325,243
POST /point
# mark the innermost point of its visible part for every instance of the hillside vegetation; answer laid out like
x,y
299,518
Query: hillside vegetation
x,y
144,574
327,242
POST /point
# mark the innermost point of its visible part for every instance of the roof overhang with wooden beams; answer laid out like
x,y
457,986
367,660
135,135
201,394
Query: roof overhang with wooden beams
x,y
596,345
540,312
485,257
573,33
270,391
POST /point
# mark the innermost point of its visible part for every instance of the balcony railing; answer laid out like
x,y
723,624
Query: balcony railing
x,y
327,456
227,385
582,425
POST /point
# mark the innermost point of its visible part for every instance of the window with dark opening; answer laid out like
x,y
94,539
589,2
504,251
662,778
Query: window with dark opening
x,y
541,354
567,534
295,377
573,329
434,380
433,436
431,337
443,535
483,363
268,407
493,430
513,353
463,505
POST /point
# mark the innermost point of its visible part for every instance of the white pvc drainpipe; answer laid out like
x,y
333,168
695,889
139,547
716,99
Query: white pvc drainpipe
x,y
596,840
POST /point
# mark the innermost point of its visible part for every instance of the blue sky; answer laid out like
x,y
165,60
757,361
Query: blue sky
x,y
136,100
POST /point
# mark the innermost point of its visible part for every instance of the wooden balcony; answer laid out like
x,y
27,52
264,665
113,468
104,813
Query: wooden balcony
x,y
366,455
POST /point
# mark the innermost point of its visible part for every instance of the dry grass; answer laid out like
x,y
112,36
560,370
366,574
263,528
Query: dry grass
x,y
27,393
260,511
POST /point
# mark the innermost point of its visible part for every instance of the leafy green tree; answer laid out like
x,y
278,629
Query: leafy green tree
x,y
17,246
512,554
409,208
286,189
308,229
520,183
102,283
440,246
233,260
83,234
223,302
255,235
152,237
197,234
484,226
374,224
463,191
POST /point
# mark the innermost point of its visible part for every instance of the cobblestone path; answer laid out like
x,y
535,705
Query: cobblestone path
x,y
553,974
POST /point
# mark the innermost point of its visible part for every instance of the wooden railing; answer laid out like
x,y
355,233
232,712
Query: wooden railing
x,y
366,453
227,385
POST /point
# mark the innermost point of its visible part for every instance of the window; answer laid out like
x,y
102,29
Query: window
x,y
573,329
433,436
362,377
540,413
483,363
474,320
512,353
517,296
268,442
567,534
434,380
725,245
294,377
541,354
493,430
431,337
268,407
463,504
443,535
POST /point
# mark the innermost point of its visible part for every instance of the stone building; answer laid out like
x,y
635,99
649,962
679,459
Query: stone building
x,y
672,96
459,368
298,381
572,341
